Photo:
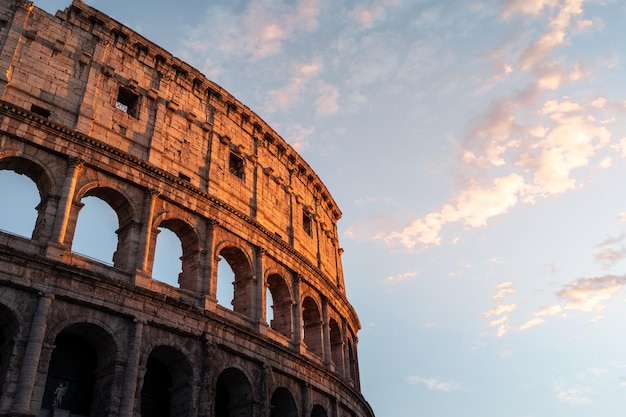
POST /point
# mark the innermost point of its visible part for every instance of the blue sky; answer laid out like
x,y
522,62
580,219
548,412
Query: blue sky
x,y
477,150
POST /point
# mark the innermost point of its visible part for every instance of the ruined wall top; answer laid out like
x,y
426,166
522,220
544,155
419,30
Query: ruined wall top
x,y
92,74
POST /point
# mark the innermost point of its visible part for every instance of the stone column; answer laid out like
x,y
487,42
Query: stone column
x,y
297,311
347,372
32,353
146,235
259,290
129,387
74,166
204,403
325,333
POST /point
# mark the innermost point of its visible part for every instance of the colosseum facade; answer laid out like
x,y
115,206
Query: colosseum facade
x,y
90,108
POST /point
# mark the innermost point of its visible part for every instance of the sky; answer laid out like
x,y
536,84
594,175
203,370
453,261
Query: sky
x,y
477,150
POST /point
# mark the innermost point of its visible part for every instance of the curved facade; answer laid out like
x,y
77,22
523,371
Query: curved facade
x,y
90,108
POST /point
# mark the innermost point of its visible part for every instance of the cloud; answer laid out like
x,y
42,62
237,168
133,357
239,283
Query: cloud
x,y
296,135
285,97
529,144
572,396
589,294
396,279
255,32
504,289
532,323
326,102
434,384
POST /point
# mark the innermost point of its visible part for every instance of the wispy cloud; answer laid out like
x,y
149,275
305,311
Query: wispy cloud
x,y
434,384
576,395
524,147
498,316
397,279
589,294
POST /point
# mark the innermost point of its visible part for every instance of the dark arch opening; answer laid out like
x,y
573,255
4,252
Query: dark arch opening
x,y
8,333
233,394
318,411
336,346
283,404
312,326
81,371
155,394
166,389
71,375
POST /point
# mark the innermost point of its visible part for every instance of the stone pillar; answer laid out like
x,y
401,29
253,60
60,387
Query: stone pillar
x,y
259,290
347,372
146,236
306,400
28,372
325,333
74,166
297,311
129,387
204,389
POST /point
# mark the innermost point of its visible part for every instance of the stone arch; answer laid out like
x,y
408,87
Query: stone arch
x,y
9,331
233,394
336,345
312,326
241,266
81,370
120,202
190,243
318,411
350,361
282,404
44,181
282,304
167,384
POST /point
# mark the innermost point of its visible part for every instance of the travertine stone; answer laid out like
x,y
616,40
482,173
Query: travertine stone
x,y
89,107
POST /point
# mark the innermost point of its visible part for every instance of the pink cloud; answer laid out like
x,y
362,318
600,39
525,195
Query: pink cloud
x,y
589,294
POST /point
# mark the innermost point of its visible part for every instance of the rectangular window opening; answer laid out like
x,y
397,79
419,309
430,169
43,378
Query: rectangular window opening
x,y
40,111
236,166
307,223
128,102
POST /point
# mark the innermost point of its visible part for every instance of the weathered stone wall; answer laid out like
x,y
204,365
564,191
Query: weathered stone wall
x,y
90,108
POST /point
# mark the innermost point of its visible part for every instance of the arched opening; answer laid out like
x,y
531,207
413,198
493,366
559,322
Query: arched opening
x,y
8,333
166,390
29,188
168,252
95,230
283,404
103,225
18,214
233,394
241,290
155,395
269,307
351,365
80,373
190,252
281,305
312,326
336,346
318,411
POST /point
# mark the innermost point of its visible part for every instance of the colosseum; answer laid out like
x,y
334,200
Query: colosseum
x,y
90,108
